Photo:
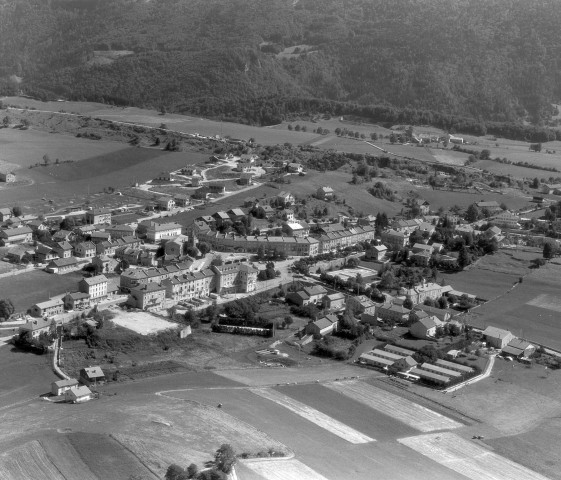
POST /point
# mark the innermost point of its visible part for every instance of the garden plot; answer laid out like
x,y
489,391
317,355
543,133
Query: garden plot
x,y
314,416
405,411
468,458
142,322
283,470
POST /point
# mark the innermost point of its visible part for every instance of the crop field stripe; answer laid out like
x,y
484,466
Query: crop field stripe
x,y
28,462
468,458
547,301
406,411
320,419
284,470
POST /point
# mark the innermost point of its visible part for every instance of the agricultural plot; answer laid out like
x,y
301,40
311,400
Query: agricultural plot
x,y
61,452
412,414
283,470
446,199
468,458
311,414
28,462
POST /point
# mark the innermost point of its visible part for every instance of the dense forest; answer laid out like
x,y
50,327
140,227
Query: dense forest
x,y
480,65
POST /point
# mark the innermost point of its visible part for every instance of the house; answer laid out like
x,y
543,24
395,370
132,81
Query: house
x,y
160,231
285,198
323,326
120,231
63,236
235,278
497,337
96,216
78,395
388,312
425,328
551,188
165,203
376,253
405,364
421,292
13,236
163,177
294,167
62,265
394,240
519,348
18,254
182,200
61,386
37,225
92,375
506,219
315,292
246,178
295,229
421,259
221,218
7,177
361,304
423,205
147,296
84,250
287,214
76,301
95,286
236,214
426,228
5,214
190,285
299,298
99,237
196,180
442,314
217,188
334,301
492,207
421,247
48,308
325,193
36,327
268,210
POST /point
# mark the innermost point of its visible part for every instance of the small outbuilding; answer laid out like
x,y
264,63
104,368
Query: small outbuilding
x,y
61,386
78,395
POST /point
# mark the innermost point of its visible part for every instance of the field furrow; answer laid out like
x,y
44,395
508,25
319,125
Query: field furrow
x,y
28,462
401,409
468,458
324,421
284,470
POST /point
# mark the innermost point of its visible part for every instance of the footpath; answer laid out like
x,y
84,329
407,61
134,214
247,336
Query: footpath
x,y
484,375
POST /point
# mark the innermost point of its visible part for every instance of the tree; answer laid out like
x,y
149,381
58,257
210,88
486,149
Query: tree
x,y
46,159
203,247
6,121
191,251
464,258
173,472
548,250
387,281
408,303
288,320
225,458
192,471
6,308
536,183
442,303
472,213
16,210
374,136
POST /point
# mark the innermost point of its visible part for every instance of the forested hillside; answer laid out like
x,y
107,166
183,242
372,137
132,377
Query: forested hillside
x,y
259,60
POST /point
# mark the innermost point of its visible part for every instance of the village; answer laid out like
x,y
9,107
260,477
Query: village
x,y
158,265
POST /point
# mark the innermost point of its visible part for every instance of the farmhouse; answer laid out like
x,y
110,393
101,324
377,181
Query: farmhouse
x,y
48,308
295,167
91,375
497,337
299,298
325,193
61,386
163,177
425,328
95,287
285,198
423,205
5,214
62,265
7,177
334,301
19,254
221,218
165,203
98,215
14,236
519,348
182,200
84,250
246,179
323,326
236,214
36,327
78,395
217,188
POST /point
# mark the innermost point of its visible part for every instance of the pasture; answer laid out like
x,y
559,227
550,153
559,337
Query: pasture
x,y
26,289
446,199
531,310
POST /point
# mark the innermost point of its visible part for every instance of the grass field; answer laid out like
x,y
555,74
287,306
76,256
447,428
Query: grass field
x,y
283,470
27,289
141,322
446,199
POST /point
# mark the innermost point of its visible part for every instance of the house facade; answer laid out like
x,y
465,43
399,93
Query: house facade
x,y
12,236
48,308
160,231
96,216
148,296
95,287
